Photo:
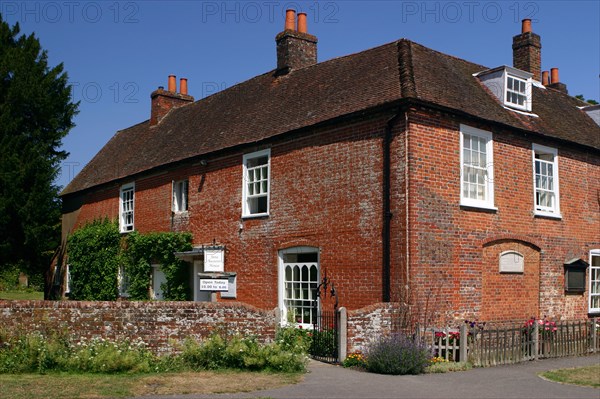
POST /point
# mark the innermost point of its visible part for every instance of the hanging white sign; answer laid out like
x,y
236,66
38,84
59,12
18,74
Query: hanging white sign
x,y
214,260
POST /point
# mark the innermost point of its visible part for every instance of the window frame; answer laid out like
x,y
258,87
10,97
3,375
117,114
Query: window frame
x,y
488,202
178,198
527,94
123,227
245,178
282,280
538,210
593,270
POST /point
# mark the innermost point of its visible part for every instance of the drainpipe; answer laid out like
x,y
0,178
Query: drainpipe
x,y
387,214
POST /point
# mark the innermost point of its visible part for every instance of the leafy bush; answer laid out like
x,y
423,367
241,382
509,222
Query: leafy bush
x,y
236,352
355,360
55,352
37,353
293,339
397,354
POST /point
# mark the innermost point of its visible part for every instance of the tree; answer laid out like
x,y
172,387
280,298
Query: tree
x,y
36,113
589,101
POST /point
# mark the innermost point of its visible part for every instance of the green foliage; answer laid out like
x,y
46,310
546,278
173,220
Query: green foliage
x,y
589,101
397,354
243,353
324,343
56,352
94,258
9,276
355,360
36,113
293,339
144,249
41,354
97,252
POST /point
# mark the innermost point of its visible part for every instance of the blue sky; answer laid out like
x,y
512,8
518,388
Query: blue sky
x,y
117,52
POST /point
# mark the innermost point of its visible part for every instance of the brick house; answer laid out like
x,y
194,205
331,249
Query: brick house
x,y
401,173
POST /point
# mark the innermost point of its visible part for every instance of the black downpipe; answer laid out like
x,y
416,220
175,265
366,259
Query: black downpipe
x,y
387,214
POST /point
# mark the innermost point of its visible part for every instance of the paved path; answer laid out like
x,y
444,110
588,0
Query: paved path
x,y
516,381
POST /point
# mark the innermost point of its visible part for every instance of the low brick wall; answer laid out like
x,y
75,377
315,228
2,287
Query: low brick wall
x,y
157,323
370,322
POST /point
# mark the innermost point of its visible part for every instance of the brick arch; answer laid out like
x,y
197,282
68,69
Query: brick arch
x,y
510,296
499,238
300,242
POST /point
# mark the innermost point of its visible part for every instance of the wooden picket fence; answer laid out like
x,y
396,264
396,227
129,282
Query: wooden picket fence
x,y
513,343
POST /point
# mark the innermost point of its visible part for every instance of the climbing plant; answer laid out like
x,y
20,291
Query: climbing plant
x,y
143,250
97,252
94,252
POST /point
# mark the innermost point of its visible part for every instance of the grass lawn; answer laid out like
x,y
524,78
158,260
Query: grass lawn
x,y
587,376
91,386
21,295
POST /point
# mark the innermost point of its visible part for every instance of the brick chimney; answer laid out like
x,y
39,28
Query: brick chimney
x,y
527,51
162,101
555,81
295,47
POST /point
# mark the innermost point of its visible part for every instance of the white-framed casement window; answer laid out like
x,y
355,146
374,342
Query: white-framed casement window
x,y
298,280
477,168
256,183
594,287
545,181
126,207
180,196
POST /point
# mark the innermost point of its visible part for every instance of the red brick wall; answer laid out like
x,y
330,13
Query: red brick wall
x,y
326,192
450,262
156,323
326,188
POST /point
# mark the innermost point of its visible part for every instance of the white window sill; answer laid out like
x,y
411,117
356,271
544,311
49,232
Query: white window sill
x,y
180,213
127,231
521,111
478,205
255,215
550,215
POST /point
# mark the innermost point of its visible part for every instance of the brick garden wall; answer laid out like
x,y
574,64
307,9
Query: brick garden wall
x,y
157,323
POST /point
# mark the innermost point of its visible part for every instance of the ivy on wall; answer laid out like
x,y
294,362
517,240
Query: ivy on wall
x,y
143,250
98,251
94,261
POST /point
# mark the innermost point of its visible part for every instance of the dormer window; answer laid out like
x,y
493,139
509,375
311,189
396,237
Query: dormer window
x,y
516,93
511,86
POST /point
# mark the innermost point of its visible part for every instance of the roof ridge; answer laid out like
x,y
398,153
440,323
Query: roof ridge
x,y
405,69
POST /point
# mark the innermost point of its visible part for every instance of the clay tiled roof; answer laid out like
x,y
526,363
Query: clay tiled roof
x,y
267,106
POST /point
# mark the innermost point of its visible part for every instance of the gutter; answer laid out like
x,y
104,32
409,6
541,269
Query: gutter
x,y
386,212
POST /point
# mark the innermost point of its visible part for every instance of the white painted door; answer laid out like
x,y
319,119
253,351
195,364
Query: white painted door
x,y
158,279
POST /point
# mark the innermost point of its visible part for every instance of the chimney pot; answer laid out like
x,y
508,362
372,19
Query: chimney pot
x,y
183,86
526,25
302,28
290,20
172,87
554,75
545,80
